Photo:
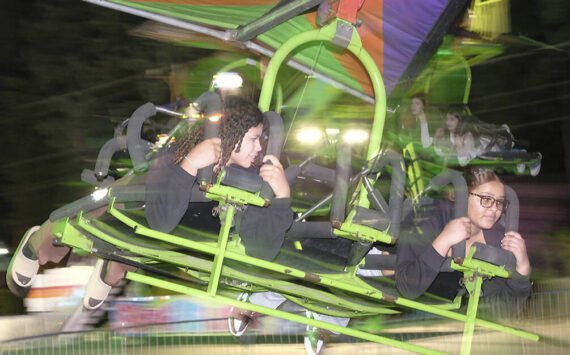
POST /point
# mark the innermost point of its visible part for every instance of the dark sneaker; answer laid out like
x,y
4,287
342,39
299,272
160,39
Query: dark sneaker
x,y
240,319
24,266
96,291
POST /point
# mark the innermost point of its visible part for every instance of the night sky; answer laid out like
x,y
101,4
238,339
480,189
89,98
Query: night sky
x,y
70,72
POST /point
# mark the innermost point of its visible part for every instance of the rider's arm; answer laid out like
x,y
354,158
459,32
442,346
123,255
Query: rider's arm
x,y
263,228
168,191
417,262
424,131
517,286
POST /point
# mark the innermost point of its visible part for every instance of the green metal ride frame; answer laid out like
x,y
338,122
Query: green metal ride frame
x,y
215,272
327,33
72,236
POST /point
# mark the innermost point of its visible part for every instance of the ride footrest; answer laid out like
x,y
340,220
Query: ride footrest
x,y
351,229
371,218
486,260
239,186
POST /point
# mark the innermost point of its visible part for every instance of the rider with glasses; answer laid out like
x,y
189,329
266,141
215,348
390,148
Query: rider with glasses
x,y
423,248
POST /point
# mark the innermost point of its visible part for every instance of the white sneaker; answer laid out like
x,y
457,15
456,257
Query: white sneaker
x,y
22,270
96,291
535,168
240,319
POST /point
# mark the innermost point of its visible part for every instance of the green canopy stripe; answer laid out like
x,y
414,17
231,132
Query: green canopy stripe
x,y
229,17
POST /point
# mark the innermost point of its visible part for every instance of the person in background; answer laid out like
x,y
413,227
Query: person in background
x,y
444,139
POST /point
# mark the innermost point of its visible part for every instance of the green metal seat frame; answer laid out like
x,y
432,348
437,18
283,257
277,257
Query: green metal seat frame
x,y
208,269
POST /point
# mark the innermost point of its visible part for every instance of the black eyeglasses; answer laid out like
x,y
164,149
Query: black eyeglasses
x,y
488,202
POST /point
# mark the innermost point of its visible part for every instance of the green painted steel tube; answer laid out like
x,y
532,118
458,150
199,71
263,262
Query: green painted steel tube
x,y
276,313
72,237
471,316
222,244
279,99
225,194
324,34
354,285
463,318
333,283
212,249
327,33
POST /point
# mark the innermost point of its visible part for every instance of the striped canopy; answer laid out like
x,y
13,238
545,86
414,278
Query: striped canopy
x,y
401,35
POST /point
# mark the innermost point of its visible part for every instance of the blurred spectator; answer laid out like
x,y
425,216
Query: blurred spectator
x,y
444,139
415,125
474,138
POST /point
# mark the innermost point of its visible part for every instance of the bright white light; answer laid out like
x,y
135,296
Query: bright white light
x,y
99,194
355,136
309,135
4,251
215,117
227,80
191,111
332,131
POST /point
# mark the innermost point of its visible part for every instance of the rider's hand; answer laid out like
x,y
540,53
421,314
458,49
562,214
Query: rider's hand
x,y
514,243
439,132
455,231
205,153
274,175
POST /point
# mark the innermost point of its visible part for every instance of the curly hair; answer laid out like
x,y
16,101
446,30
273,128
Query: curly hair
x,y
238,116
475,176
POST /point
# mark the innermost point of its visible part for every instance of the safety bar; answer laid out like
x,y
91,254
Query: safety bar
x,y
341,183
379,262
99,175
305,230
513,210
100,198
394,206
276,133
137,146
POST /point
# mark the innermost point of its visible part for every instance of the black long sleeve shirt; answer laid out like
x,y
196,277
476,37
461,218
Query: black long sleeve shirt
x,y
418,264
168,203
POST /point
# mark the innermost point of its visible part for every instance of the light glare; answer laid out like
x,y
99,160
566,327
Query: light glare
x,y
99,194
215,118
355,136
309,136
227,80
